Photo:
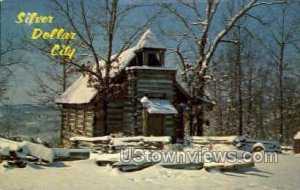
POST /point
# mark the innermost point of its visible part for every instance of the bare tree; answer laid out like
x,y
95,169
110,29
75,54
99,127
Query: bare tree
x,y
283,37
199,40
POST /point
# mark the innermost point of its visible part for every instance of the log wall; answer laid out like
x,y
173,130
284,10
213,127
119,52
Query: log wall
x,y
153,84
76,120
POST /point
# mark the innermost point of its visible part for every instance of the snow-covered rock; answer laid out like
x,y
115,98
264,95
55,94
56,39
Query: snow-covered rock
x,y
12,145
38,151
4,151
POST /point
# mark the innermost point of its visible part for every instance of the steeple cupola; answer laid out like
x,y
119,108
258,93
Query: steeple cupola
x,y
150,51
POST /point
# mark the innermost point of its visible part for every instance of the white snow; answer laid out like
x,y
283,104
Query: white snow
x,y
4,151
138,140
12,145
105,157
38,151
90,139
158,106
213,138
86,174
297,136
117,142
121,62
164,139
149,40
78,92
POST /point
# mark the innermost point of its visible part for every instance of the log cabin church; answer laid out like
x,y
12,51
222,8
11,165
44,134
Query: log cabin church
x,y
150,105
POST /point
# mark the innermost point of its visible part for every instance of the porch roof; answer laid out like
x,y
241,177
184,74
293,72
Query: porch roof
x,y
158,106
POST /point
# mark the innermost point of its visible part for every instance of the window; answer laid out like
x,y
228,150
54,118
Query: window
x,y
154,59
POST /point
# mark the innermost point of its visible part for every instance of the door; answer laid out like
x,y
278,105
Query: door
x,y
156,124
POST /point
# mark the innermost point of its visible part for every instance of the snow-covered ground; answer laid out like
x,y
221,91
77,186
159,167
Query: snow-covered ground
x,y
85,174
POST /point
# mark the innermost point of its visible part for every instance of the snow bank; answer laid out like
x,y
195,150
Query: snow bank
x,y
38,151
105,157
12,145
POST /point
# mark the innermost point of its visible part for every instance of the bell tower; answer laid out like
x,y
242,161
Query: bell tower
x,y
150,52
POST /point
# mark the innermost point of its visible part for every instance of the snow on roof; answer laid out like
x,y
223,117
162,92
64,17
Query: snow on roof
x,y
297,136
80,93
158,106
122,61
149,40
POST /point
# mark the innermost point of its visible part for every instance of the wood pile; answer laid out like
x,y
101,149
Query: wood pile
x,y
115,144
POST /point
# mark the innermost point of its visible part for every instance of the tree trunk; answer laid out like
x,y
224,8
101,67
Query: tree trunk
x,y
240,95
250,102
280,78
105,116
200,112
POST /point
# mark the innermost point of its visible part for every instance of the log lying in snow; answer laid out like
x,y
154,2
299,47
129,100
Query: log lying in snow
x,y
64,154
132,166
183,166
15,164
206,140
228,166
105,162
